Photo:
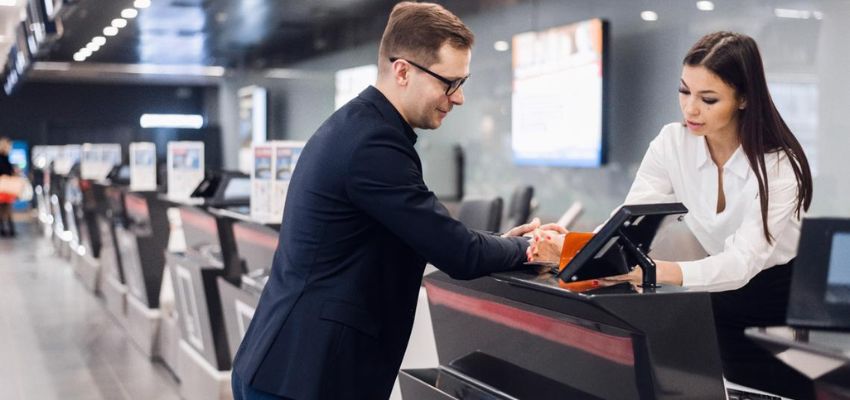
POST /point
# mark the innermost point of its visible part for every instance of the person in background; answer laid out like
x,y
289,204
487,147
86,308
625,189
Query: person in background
x,y
7,226
360,224
746,182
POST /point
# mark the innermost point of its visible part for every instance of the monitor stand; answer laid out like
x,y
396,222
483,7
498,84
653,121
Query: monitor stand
x,y
647,266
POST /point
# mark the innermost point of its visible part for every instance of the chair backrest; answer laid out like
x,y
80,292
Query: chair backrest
x,y
481,214
519,209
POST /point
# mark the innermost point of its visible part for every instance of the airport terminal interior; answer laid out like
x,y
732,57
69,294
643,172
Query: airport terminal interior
x,y
152,144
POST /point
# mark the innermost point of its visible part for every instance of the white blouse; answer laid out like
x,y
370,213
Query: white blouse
x,y
678,168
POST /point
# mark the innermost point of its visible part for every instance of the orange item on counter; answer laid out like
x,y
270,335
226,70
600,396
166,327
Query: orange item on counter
x,y
573,243
579,286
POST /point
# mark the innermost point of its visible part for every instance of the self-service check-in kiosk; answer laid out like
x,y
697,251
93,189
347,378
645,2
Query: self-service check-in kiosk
x,y
97,160
541,335
111,217
141,248
210,254
256,244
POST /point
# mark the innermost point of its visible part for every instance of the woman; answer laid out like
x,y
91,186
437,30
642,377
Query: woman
x,y
745,180
7,227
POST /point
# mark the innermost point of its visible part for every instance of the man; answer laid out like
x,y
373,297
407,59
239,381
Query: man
x,y
335,317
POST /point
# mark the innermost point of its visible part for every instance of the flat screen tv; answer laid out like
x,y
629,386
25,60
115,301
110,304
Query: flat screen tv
x,y
558,116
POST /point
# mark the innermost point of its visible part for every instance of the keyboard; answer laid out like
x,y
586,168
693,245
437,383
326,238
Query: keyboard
x,y
735,394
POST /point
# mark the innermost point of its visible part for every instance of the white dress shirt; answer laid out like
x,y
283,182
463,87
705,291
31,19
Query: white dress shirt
x,y
678,168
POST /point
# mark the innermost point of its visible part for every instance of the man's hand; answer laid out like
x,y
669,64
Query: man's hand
x,y
532,226
546,245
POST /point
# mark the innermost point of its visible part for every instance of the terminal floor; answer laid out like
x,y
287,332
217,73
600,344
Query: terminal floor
x,y
57,340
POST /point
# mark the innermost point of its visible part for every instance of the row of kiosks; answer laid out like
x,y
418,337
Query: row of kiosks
x,y
181,261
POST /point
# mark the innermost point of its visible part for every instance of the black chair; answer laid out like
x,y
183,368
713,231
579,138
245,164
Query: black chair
x,y
519,209
481,214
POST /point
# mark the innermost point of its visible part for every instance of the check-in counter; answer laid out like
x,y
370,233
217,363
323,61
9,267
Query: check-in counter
x,y
604,343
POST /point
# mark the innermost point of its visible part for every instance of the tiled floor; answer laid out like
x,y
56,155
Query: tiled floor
x,y
57,341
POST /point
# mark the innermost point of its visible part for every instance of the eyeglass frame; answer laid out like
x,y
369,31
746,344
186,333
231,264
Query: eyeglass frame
x,y
451,83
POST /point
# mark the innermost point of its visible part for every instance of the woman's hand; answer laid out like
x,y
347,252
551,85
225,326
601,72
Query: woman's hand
x,y
546,245
666,273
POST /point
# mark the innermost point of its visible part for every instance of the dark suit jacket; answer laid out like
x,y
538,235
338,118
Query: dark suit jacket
x,y
359,225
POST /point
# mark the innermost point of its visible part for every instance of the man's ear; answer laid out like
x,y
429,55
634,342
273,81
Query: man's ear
x,y
400,72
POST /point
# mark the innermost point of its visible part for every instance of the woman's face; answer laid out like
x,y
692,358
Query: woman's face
x,y
709,105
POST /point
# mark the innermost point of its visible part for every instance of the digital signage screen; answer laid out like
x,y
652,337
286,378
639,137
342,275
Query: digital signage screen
x,y
557,115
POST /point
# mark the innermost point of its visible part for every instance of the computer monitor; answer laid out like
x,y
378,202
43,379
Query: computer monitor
x,y
820,287
608,252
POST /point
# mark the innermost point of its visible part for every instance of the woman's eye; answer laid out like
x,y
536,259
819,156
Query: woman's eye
x,y
709,101
684,91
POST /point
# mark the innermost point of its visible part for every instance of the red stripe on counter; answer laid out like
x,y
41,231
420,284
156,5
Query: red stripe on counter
x,y
610,347
204,221
255,237
136,205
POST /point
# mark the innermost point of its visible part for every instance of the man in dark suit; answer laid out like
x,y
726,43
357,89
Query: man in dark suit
x,y
359,226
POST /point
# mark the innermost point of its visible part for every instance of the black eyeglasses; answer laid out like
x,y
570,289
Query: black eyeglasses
x,y
454,85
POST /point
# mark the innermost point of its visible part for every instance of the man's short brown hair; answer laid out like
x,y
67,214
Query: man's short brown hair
x,y
418,30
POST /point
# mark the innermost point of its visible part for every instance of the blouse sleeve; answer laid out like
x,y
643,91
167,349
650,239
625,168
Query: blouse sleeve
x,y
746,251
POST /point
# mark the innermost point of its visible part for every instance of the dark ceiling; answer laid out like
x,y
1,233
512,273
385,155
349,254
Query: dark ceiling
x,y
229,33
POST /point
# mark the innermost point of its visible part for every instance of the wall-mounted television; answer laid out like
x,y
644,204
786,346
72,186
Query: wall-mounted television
x,y
558,117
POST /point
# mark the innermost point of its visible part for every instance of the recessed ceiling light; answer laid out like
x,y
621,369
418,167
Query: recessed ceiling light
x,y
705,5
119,22
649,15
84,51
79,57
99,40
792,13
93,47
142,3
110,31
501,45
129,13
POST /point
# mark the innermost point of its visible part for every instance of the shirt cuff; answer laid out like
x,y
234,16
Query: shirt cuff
x,y
691,274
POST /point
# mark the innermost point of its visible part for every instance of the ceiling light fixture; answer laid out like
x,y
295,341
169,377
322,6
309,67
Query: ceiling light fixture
x,y
501,45
649,15
129,13
84,51
190,121
796,14
93,47
99,40
79,57
142,3
119,22
705,5
110,31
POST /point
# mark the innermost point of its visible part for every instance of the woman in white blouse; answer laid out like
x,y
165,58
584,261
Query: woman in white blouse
x,y
745,180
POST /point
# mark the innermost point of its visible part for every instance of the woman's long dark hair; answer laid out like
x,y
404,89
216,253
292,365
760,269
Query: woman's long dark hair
x,y
735,58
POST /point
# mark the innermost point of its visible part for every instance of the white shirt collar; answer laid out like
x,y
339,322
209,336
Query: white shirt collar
x,y
737,164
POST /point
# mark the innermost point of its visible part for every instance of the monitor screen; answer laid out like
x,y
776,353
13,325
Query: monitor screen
x,y
237,188
838,277
605,254
820,285
557,113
